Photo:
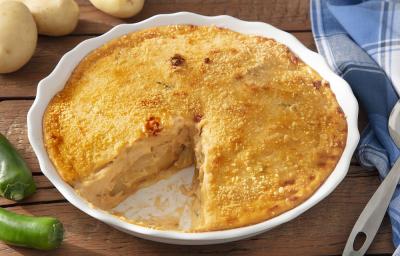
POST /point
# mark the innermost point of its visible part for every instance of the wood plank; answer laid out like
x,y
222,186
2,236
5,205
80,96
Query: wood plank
x,y
13,126
23,83
293,17
322,230
42,195
47,193
42,182
290,15
354,171
335,215
49,51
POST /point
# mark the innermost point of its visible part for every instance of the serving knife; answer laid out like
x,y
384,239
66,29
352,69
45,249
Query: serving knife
x,y
371,217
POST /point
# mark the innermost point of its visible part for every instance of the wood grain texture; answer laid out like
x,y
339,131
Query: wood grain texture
x,y
13,125
49,51
289,15
322,230
329,222
42,195
23,83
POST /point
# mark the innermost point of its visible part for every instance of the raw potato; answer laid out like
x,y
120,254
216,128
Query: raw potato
x,y
119,8
54,17
18,36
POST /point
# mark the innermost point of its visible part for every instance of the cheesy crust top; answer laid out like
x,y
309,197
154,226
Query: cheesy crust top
x,y
271,128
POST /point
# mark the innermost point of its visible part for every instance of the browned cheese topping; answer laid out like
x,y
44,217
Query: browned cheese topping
x,y
266,130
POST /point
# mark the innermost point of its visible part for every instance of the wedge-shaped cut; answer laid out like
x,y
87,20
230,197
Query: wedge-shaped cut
x,y
140,164
263,129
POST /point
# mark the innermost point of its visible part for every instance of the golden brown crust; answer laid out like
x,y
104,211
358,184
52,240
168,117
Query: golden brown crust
x,y
272,128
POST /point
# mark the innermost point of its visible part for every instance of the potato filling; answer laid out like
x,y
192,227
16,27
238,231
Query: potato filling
x,y
142,164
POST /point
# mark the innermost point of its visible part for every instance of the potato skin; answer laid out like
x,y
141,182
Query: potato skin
x,y
18,36
119,8
54,17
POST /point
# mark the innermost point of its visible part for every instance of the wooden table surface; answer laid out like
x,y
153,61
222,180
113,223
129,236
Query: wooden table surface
x,y
322,230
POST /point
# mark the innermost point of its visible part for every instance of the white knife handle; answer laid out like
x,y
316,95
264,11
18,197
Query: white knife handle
x,y
373,213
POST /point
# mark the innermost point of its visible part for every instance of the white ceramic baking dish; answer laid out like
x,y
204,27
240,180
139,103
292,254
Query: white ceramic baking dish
x,y
52,84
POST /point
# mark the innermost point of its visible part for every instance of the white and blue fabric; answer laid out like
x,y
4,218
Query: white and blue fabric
x,y
360,40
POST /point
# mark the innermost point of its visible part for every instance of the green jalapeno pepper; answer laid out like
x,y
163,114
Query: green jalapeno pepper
x,y
44,233
16,180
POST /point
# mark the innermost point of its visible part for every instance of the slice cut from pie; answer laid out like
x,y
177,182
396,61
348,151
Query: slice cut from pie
x,y
263,129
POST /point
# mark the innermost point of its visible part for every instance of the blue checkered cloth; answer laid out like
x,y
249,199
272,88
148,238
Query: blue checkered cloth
x,y
360,40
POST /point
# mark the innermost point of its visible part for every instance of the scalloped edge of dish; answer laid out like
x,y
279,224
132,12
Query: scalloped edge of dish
x,y
53,83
